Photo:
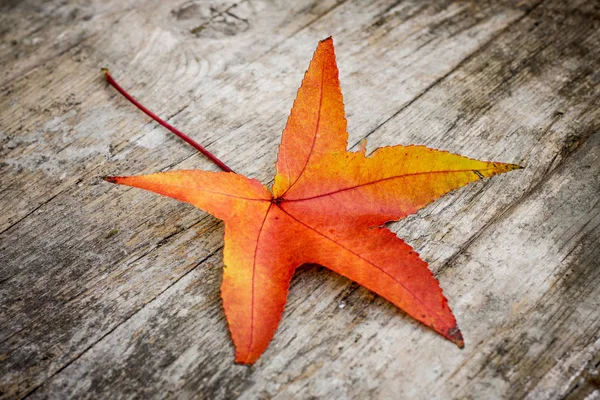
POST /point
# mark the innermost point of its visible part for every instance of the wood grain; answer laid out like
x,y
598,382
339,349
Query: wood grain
x,y
107,292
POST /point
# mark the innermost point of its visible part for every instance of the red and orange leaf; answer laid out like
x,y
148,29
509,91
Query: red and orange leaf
x,y
328,207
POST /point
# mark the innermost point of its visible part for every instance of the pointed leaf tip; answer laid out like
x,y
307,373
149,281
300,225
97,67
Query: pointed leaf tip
x,y
246,360
455,335
111,179
511,167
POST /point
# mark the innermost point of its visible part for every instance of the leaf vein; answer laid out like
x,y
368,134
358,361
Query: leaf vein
x,y
262,225
317,126
381,180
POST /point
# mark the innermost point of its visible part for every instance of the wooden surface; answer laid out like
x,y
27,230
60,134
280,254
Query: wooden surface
x,y
110,292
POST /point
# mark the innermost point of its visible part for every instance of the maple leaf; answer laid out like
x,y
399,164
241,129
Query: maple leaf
x,y
328,207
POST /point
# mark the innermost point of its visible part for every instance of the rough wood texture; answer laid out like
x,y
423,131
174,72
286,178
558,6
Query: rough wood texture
x,y
107,292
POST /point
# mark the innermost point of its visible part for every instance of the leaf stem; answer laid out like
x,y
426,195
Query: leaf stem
x,y
170,127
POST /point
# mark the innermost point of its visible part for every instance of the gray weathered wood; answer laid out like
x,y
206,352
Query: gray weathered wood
x,y
109,292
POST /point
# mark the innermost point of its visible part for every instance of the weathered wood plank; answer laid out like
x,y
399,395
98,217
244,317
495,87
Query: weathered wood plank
x,y
45,134
121,297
